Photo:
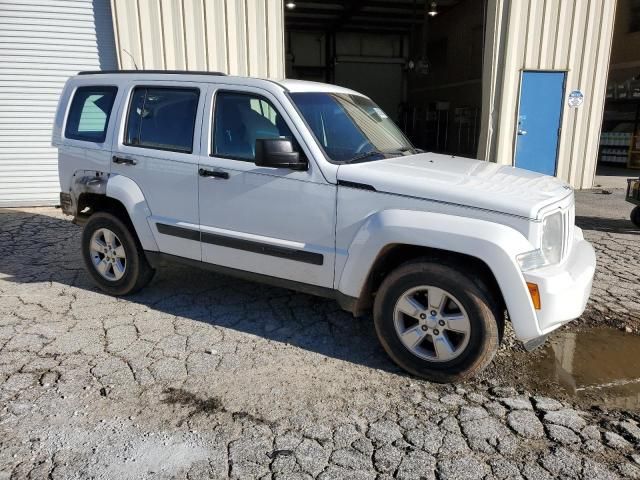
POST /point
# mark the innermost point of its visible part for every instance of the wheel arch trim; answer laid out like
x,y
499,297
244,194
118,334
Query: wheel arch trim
x,y
127,192
494,244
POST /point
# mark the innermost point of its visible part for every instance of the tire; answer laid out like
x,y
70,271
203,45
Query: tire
x,y
466,305
635,216
123,275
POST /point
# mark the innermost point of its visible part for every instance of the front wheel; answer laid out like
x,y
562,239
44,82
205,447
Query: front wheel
x,y
435,322
635,216
113,256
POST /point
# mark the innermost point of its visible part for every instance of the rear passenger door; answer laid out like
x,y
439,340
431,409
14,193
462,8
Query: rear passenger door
x,y
157,148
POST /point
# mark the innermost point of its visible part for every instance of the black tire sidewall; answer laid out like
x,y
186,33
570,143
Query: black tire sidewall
x,y
130,278
635,216
484,335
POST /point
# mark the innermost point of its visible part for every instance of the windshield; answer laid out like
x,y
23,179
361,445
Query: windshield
x,y
351,127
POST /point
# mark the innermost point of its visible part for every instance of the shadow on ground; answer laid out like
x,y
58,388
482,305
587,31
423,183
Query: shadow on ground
x,y
607,225
37,248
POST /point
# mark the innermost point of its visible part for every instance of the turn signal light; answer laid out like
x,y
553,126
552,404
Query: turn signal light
x,y
535,294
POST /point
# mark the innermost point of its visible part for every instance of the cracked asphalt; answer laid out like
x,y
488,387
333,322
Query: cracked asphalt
x,y
202,376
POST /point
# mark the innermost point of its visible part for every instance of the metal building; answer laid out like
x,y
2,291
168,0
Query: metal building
x,y
42,43
569,39
238,37
496,79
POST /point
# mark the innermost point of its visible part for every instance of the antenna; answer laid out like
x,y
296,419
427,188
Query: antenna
x,y
131,56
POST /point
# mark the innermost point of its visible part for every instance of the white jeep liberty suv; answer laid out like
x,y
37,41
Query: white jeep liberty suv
x,y
312,187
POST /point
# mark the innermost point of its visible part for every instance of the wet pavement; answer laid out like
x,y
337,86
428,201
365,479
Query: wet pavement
x,y
600,366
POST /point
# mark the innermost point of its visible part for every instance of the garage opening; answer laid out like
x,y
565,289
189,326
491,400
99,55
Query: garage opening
x,y
619,153
419,60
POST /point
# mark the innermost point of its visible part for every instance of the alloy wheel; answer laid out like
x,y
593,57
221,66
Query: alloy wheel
x,y
107,254
431,323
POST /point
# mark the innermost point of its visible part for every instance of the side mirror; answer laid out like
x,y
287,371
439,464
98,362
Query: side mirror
x,y
278,153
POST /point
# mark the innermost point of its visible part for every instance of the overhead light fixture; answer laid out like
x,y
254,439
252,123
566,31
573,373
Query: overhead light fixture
x,y
290,4
433,10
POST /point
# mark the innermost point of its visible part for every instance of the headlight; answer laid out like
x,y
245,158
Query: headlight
x,y
552,238
550,251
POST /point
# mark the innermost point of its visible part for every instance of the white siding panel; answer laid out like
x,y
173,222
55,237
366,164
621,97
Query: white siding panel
x,y
42,43
570,36
238,37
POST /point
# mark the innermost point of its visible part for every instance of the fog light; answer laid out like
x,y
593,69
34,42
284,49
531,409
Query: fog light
x,y
535,295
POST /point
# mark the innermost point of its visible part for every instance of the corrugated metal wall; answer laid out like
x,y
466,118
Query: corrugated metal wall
x,y
42,43
237,37
570,35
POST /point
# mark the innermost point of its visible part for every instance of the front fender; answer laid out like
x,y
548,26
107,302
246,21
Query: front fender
x,y
495,244
130,195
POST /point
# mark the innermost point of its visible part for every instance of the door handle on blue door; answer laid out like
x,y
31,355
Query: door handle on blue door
x,y
522,132
213,173
123,161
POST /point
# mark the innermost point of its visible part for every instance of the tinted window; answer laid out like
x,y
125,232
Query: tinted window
x,y
89,113
349,126
239,120
162,118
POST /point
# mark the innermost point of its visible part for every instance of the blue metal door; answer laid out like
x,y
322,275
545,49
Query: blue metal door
x,y
541,98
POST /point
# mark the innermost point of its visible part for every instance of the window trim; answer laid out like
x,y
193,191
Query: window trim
x,y
105,132
162,87
214,103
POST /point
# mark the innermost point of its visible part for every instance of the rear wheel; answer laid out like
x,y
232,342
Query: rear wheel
x,y
635,216
113,256
435,322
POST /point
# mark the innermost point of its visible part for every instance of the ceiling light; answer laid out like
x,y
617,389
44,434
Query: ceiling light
x,y
433,11
290,4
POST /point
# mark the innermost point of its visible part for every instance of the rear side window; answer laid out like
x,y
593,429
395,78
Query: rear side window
x,y
89,113
162,118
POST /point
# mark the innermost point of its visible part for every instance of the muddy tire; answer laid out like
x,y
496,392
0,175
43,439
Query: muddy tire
x,y
113,256
635,216
436,323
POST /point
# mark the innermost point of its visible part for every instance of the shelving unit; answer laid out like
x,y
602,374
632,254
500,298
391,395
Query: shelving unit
x,y
615,147
633,157
620,137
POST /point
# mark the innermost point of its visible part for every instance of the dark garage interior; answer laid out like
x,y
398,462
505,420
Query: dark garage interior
x,y
419,60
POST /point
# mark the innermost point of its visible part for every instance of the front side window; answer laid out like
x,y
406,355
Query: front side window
x,y
162,118
351,127
89,113
239,120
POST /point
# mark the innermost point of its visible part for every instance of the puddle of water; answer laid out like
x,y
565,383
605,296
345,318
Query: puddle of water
x,y
598,364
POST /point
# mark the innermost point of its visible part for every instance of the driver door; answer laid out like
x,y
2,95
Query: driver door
x,y
270,221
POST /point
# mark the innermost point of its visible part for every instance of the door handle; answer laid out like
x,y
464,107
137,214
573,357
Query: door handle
x,y
124,161
522,132
213,173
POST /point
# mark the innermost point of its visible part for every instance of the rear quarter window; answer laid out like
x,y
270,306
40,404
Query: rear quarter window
x,y
89,113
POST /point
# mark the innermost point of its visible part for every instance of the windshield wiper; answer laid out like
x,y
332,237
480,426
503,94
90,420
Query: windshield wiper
x,y
364,155
413,150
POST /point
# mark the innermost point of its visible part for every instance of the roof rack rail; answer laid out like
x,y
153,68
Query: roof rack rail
x,y
166,72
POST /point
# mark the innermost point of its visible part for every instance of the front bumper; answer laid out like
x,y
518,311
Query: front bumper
x,y
66,203
565,288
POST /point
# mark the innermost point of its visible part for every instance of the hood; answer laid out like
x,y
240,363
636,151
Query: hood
x,y
461,181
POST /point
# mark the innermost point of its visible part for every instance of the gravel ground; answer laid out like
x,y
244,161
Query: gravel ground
x,y
202,376
615,299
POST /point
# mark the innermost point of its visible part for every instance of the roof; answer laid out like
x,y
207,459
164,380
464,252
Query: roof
x,y
287,84
306,86
147,72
